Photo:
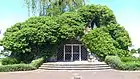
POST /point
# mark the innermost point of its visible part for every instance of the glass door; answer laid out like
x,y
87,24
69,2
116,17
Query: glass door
x,y
72,52
68,54
75,52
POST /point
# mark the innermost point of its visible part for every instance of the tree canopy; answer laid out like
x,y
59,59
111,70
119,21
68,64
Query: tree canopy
x,y
99,42
38,35
41,35
52,7
110,40
98,15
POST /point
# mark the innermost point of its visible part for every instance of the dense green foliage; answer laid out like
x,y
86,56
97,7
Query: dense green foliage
x,y
113,61
9,61
0,62
53,7
110,40
36,37
129,66
71,19
98,15
36,63
99,42
123,53
125,63
120,36
129,59
16,67
40,36
10,66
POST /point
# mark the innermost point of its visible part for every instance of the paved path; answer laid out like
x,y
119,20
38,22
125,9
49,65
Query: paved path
x,y
42,74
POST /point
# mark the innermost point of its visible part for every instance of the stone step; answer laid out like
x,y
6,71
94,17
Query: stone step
x,y
71,64
74,68
93,63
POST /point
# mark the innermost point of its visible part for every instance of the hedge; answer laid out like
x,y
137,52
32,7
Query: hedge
x,y
113,61
22,67
129,66
128,59
16,67
9,61
36,63
116,63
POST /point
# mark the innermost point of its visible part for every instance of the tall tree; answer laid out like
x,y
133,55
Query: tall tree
x,y
52,7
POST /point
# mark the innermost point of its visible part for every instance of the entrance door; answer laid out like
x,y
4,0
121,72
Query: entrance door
x,y
75,53
68,51
72,52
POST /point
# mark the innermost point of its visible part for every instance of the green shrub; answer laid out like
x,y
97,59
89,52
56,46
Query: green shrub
x,y
9,61
129,59
36,63
16,67
129,66
113,61
127,63
21,67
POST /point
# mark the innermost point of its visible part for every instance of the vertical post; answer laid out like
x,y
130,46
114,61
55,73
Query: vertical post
x,y
64,54
79,52
72,52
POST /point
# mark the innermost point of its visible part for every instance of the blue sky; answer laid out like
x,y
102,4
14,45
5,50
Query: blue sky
x,y
127,14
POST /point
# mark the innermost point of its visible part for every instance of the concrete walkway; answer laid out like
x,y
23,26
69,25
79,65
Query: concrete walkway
x,y
42,74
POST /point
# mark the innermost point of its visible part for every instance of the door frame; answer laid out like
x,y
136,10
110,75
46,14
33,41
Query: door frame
x,y
72,45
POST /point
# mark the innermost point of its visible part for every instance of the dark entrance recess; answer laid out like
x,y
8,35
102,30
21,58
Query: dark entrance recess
x,y
73,51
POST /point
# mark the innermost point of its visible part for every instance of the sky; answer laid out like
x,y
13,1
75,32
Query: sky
x,y
127,13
